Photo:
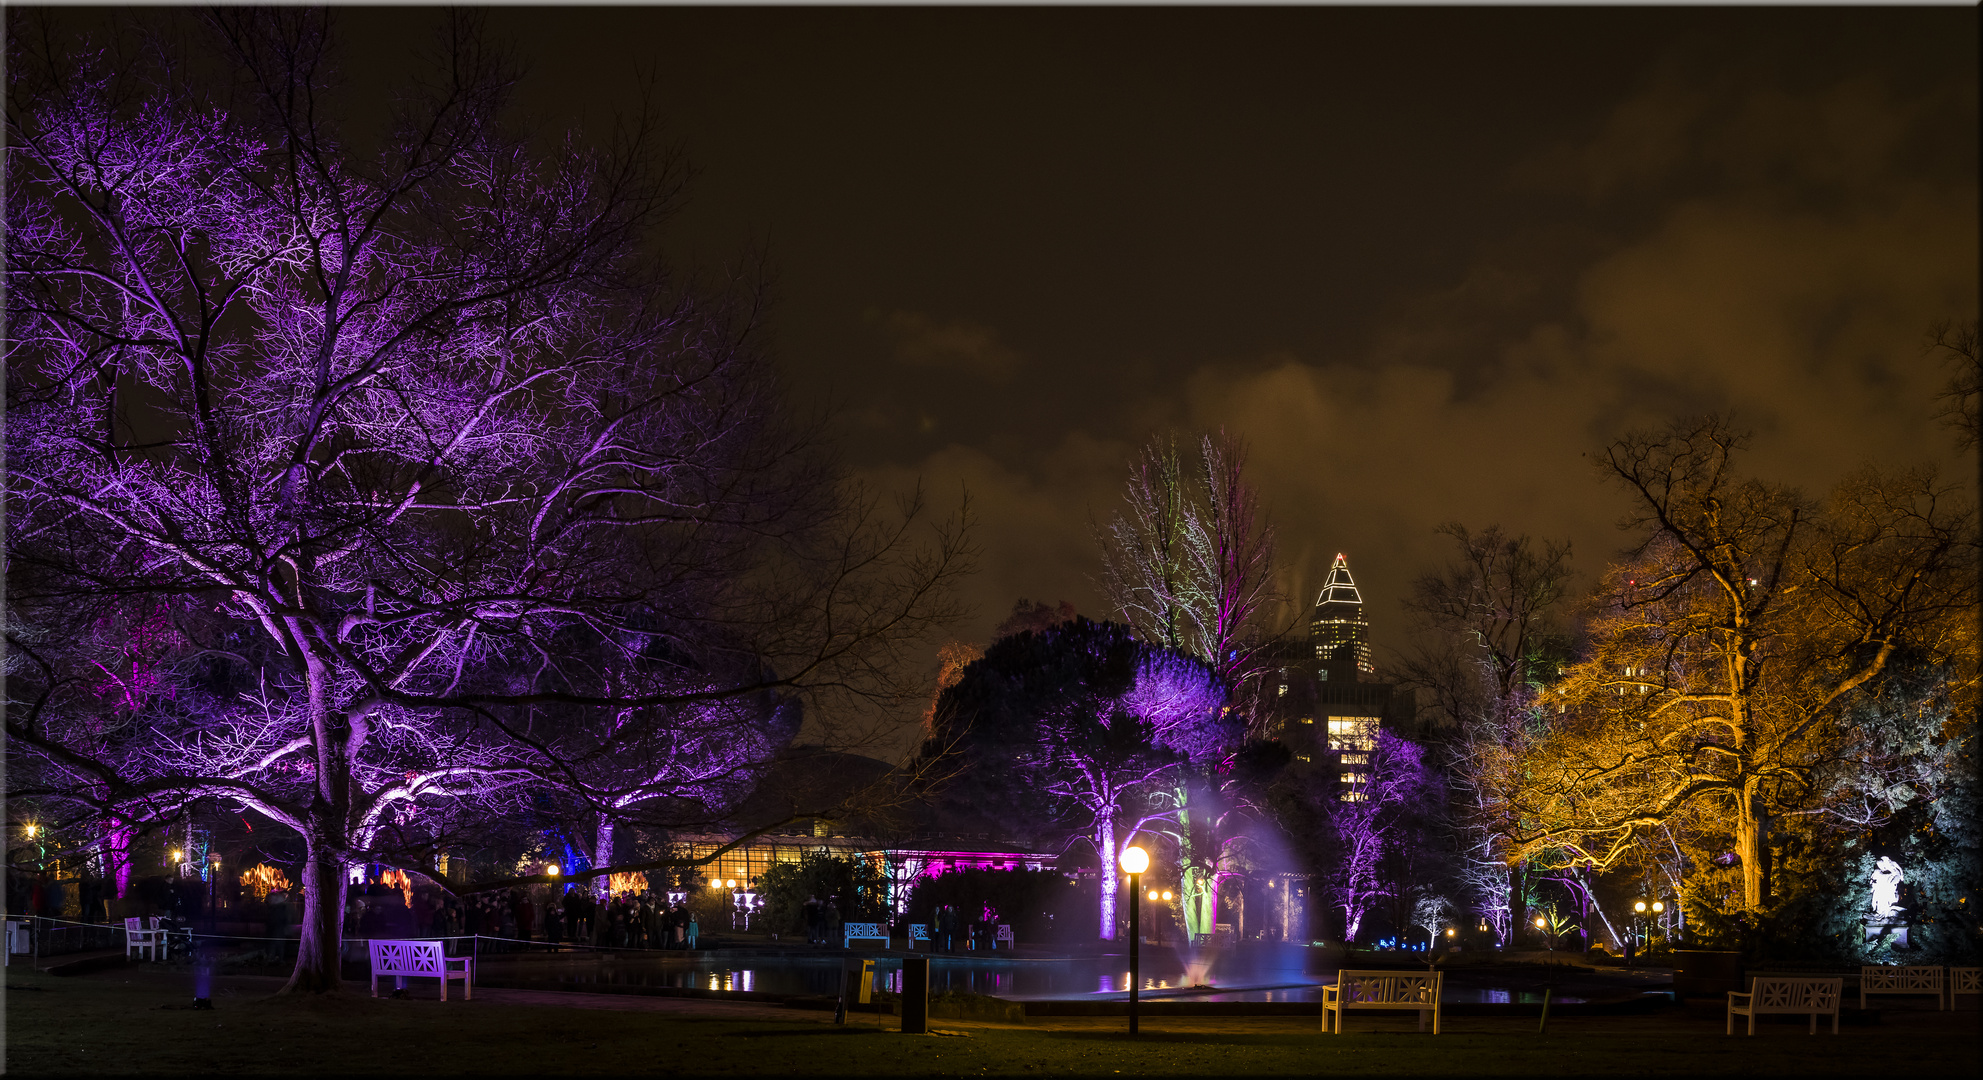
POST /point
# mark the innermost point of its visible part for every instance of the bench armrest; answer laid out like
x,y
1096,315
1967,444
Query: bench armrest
x,y
1733,994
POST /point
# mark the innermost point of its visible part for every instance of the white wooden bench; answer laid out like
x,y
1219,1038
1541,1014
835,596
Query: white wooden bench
x,y
143,938
1886,979
1393,990
865,931
1003,936
1787,995
419,959
1964,980
918,932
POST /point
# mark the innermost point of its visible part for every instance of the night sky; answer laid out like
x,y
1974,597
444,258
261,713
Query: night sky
x,y
1422,260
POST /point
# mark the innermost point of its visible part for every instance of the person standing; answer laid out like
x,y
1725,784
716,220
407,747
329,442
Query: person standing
x,y
573,920
694,927
554,920
833,921
812,914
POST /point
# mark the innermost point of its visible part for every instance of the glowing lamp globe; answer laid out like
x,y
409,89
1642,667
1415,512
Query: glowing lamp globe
x,y
1640,906
1135,860
715,883
552,869
1167,894
1540,922
1450,931
732,883
1658,907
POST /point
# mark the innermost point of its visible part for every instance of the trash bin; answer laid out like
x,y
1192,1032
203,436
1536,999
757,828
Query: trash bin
x,y
1701,973
916,995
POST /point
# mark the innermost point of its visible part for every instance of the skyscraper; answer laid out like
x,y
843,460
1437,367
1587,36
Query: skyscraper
x,y
1337,627
1330,705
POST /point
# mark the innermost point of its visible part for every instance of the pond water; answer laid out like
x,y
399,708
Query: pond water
x,y
1163,976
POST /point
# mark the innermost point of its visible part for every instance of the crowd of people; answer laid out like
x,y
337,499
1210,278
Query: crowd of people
x,y
509,920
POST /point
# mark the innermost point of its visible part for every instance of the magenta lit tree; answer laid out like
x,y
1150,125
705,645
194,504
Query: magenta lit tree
x,y
1076,733
1368,820
449,493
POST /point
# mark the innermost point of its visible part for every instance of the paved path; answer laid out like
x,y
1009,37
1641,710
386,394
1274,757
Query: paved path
x,y
679,1007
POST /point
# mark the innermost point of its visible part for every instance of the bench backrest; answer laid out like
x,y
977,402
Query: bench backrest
x,y
1802,993
919,931
1004,932
1923,978
1389,987
1966,980
406,957
863,930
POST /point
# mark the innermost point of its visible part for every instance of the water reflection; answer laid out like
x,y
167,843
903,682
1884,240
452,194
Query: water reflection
x,y
1015,979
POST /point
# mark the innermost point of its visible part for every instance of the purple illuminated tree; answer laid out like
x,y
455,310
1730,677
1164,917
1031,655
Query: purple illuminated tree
x,y
1189,565
448,492
1088,716
1370,822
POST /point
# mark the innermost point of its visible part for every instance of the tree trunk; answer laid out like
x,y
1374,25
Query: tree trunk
x,y
1750,822
1203,908
602,855
1105,845
322,937
117,856
1518,902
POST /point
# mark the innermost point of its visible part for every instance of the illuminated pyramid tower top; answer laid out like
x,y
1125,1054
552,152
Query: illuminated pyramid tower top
x,y
1338,620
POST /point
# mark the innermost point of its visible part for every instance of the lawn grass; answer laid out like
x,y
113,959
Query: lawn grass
x,y
133,1021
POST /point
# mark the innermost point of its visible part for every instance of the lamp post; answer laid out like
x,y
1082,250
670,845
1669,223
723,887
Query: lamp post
x,y
1134,861
1658,908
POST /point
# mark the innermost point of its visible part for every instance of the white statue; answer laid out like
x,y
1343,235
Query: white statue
x,y
1886,888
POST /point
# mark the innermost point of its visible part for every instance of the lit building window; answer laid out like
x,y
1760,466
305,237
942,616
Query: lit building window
x,y
1303,757
1353,733
1356,759
1352,786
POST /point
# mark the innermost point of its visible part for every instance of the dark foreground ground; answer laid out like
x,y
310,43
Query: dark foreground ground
x,y
133,1020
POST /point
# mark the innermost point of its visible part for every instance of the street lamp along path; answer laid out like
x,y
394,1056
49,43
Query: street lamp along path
x,y
1134,861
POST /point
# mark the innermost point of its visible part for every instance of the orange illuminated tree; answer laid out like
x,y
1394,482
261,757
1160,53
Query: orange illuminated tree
x,y
1726,649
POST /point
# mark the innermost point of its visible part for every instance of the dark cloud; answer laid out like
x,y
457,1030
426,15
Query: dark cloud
x,y
1789,251
967,348
1424,260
